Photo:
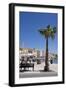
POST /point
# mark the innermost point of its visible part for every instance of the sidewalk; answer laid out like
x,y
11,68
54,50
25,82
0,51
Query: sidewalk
x,y
37,74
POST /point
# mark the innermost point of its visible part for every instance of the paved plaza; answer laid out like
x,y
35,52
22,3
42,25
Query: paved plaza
x,y
38,71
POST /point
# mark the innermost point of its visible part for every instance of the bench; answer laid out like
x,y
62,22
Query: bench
x,y
26,65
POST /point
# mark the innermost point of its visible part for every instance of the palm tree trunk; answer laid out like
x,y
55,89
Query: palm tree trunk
x,y
46,68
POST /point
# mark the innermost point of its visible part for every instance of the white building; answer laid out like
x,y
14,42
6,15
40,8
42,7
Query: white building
x,y
29,52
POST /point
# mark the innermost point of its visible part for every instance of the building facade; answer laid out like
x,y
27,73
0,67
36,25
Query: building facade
x,y
29,52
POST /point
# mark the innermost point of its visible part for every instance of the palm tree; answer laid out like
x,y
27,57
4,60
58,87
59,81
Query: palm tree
x,y
47,33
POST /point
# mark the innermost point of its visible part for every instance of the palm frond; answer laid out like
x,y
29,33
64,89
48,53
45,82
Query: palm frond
x,y
48,26
52,35
42,31
54,29
48,32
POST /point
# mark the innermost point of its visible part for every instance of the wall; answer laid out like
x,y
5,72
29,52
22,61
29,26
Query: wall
x,y
4,44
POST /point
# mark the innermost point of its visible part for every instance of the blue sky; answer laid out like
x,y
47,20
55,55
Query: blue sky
x,y
29,36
